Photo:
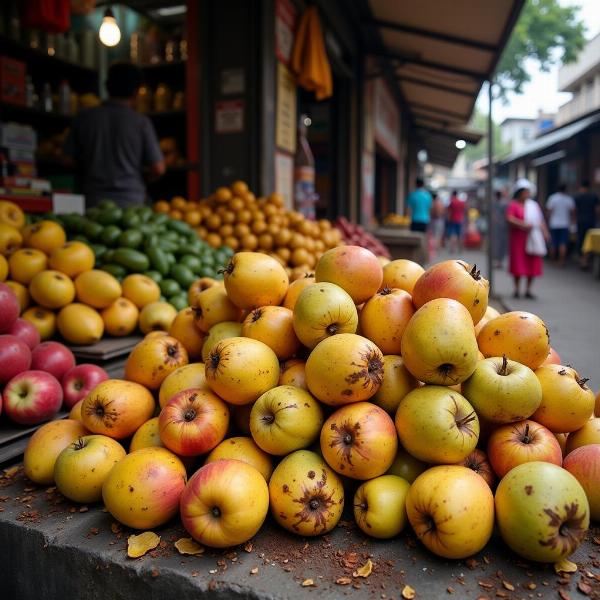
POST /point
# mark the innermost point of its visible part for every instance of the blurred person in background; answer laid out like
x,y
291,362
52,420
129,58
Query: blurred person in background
x,y
587,210
438,221
560,211
524,215
456,216
500,225
114,146
419,207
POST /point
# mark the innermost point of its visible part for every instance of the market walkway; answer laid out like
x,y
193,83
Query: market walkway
x,y
568,300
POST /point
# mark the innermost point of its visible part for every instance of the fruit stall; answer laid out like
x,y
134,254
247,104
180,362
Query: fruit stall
x,y
255,407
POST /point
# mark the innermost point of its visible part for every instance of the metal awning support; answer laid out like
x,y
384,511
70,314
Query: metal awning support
x,y
490,188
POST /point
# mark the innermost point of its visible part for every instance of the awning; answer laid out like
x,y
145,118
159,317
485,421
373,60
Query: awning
x,y
552,137
441,53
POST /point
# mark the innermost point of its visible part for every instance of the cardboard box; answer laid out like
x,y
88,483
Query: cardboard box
x,y
12,80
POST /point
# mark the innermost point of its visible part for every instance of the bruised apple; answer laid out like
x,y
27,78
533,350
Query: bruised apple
x,y
344,368
224,503
359,441
323,310
284,419
451,509
454,279
542,511
380,506
478,461
439,345
437,425
502,390
143,489
518,335
307,497
567,402
516,443
117,408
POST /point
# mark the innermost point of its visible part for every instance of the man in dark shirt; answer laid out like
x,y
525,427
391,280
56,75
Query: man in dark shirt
x,y
587,207
114,145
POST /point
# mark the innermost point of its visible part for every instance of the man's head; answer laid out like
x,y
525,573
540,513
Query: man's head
x,y
562,188
123,80
420,183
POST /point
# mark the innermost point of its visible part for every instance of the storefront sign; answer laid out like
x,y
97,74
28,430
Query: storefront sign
x,y
229,116
285,27
285,113
284,178
387,119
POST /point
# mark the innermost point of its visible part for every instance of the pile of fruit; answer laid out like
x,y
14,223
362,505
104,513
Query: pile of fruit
x,y
236,218
397,220
108,278
441,414
355,234
37,378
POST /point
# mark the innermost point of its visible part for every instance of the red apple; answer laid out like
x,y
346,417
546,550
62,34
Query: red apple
x,y
26,332
54,358
9,308
32,397
193,422
15,357
517,443
584,464
80,380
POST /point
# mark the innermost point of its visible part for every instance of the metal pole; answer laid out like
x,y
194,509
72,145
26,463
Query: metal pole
x,y
490,190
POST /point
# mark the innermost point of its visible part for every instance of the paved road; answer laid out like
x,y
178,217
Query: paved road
x,y
568,300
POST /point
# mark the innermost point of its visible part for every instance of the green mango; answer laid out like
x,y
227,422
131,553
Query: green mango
x,y
179,301
110,235
92,230
110,216
107,204
154,275
191,262
131,259
117,270
158,259
183,275
169,287
131,238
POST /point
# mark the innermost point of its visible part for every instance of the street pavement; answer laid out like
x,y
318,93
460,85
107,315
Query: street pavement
x,y
567,300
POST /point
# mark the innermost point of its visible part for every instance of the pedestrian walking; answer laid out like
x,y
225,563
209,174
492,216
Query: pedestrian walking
x,y
500,225
560,210
456,217
419,207
527,236
587,209
437,220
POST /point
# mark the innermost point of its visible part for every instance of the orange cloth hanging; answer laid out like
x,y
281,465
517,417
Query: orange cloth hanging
x,y
309,57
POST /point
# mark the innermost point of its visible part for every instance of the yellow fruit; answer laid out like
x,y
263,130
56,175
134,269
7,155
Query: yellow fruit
x,y
218,332
162,206
157,316
26,263
184,330
11,214
141,290
3,268
45,236
80,324
183,378
43,320
121,317
21,292
52,289
97,288
10,239
72,258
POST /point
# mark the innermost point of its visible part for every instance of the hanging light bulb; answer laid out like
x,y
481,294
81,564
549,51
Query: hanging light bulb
x,y
109,33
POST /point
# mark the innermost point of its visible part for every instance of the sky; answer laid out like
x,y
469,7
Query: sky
x,y
542,91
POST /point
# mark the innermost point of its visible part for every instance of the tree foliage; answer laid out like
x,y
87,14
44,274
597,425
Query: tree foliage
x,y
545,32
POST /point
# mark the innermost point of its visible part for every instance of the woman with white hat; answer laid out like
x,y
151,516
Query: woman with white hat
x,y
527,236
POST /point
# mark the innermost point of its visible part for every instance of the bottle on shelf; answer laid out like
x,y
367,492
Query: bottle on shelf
x,y
305,197
163,98
64,97
50,44
47,102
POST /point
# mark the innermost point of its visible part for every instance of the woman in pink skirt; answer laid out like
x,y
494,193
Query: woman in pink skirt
x,y
522,264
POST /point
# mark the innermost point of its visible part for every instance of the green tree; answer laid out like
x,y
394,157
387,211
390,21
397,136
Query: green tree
x,y
478,151
545,32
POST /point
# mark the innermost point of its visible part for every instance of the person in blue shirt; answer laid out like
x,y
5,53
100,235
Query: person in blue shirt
x,y
419,207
